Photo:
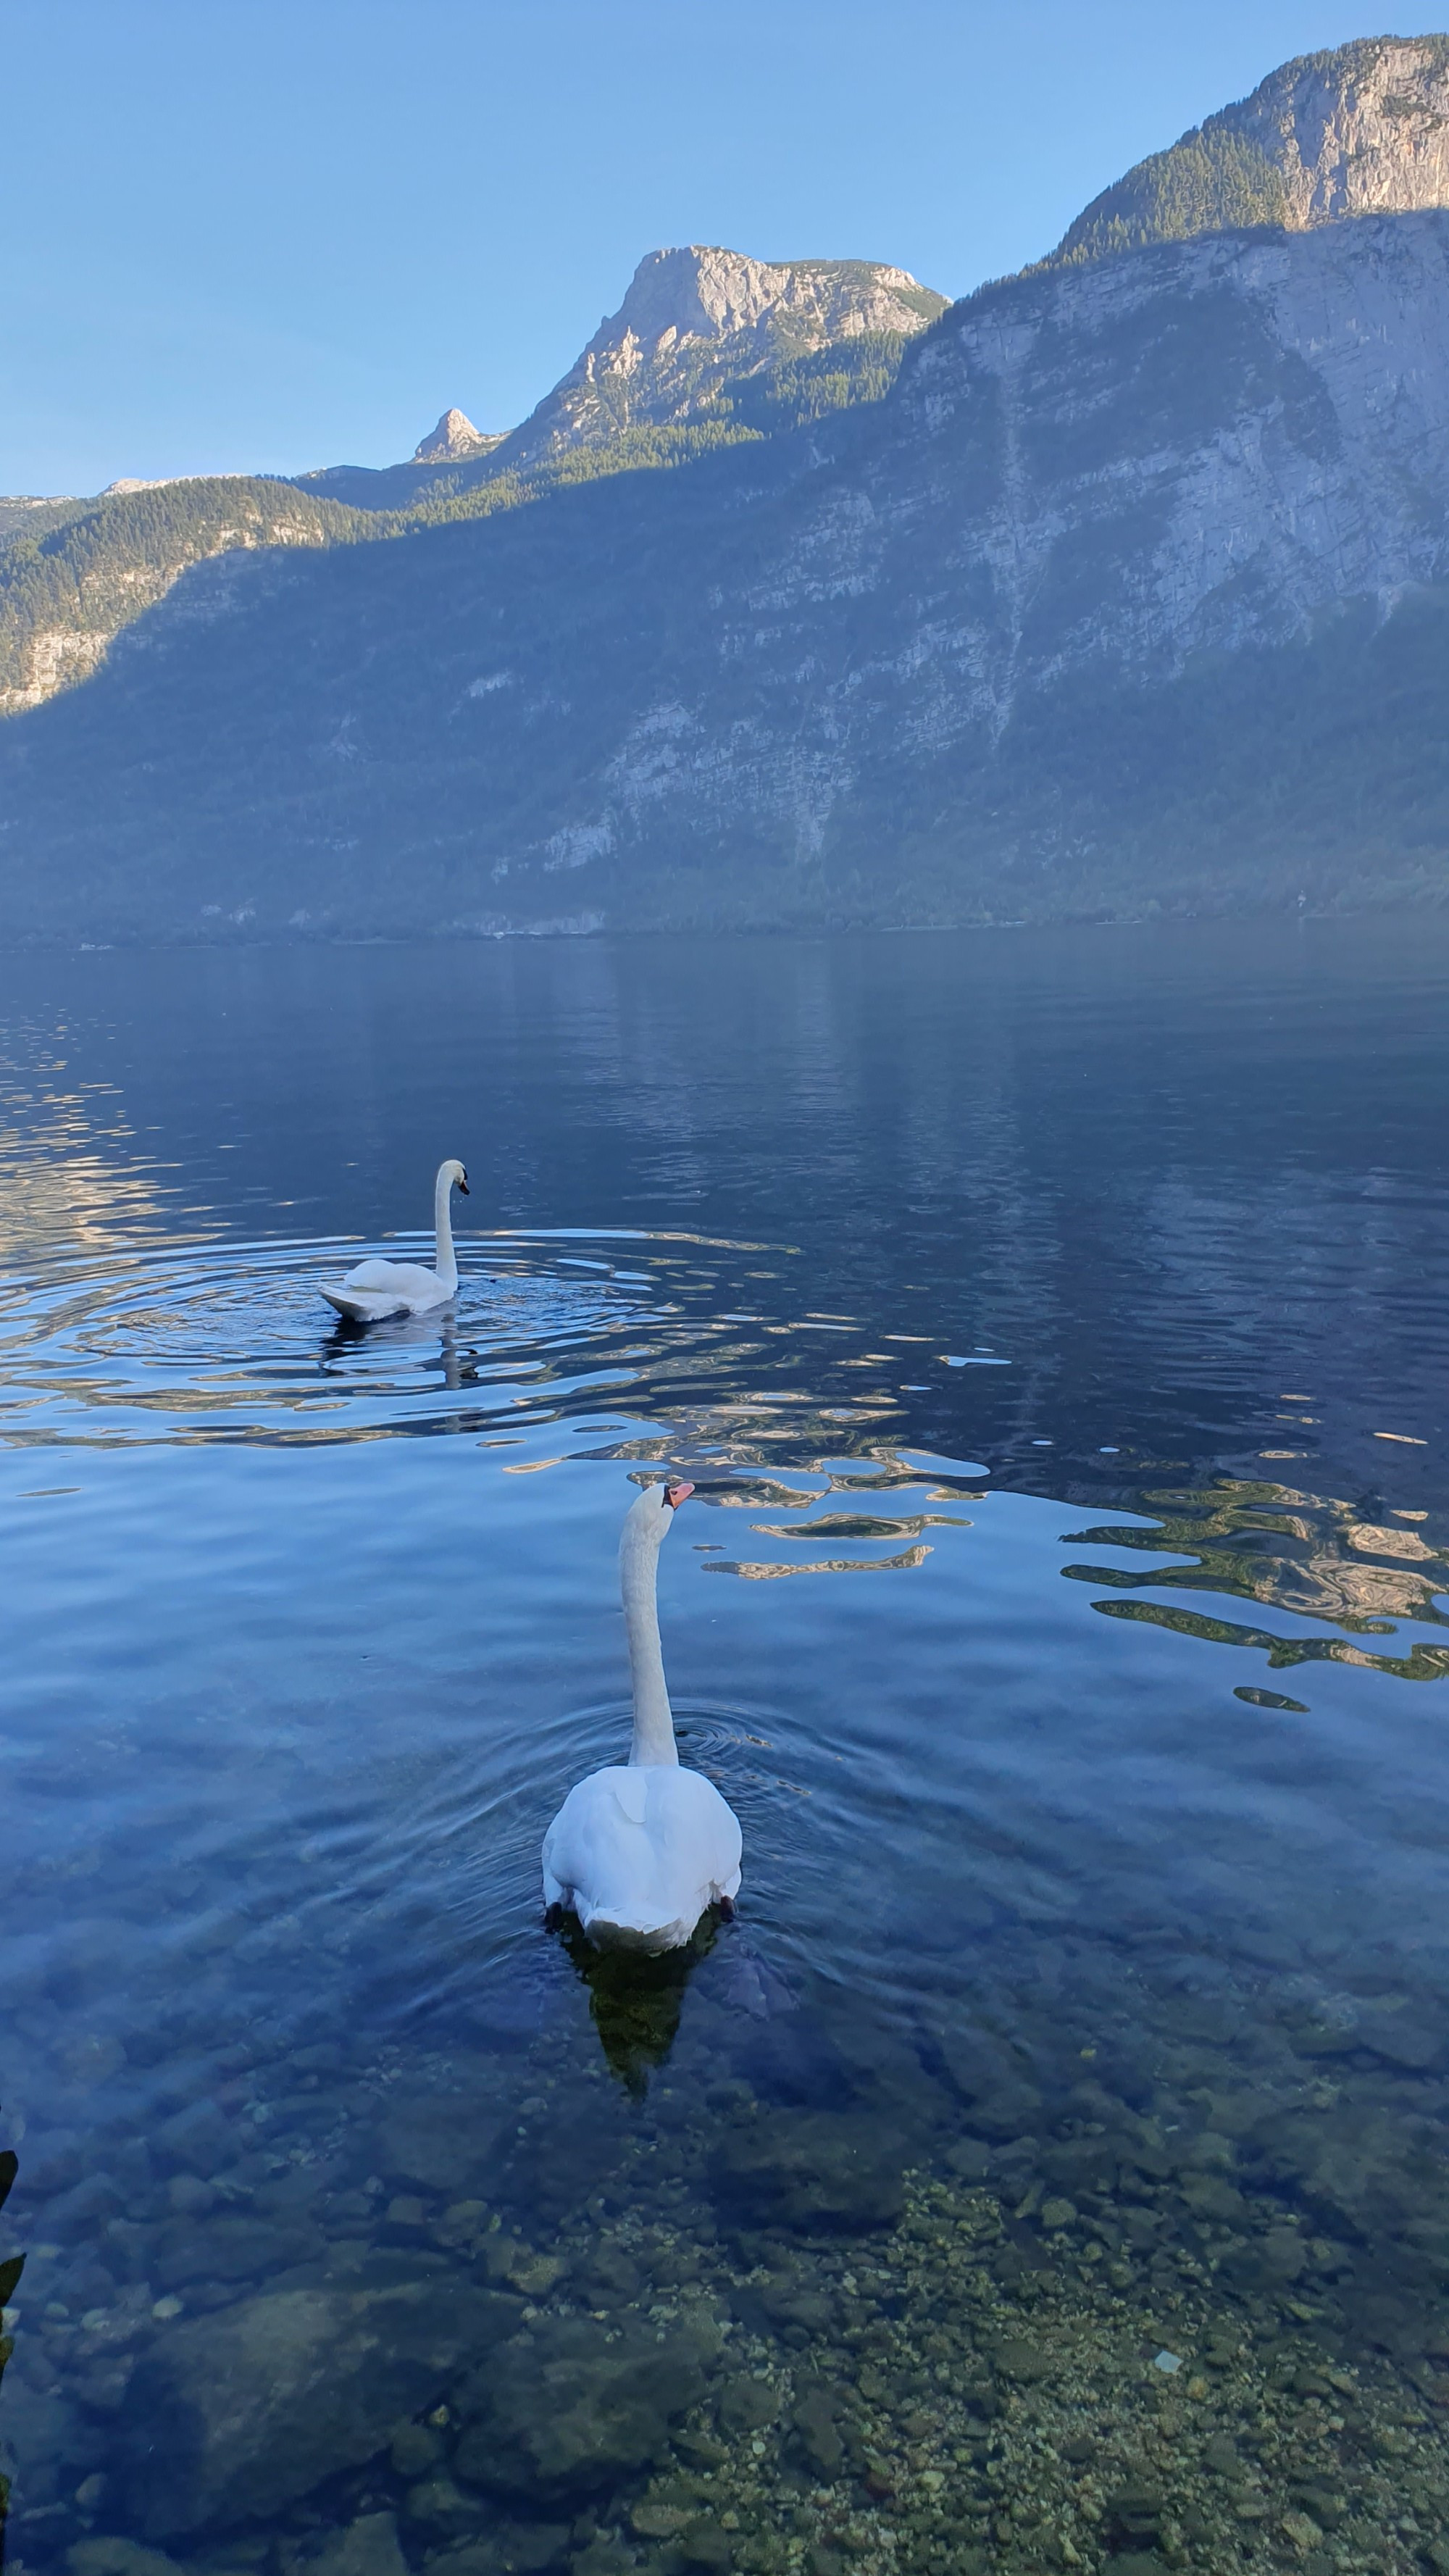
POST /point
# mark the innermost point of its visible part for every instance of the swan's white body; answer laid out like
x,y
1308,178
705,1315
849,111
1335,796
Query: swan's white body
x,y
376,1289
639,1852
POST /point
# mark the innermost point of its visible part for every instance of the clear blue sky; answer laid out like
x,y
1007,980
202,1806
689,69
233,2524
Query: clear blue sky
x,y
271,234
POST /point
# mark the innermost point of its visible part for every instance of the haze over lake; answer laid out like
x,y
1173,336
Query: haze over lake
x,y
1054,1328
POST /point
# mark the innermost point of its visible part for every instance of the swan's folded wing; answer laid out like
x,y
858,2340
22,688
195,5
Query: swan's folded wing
x,y
362,1306
408,1281
631,1788
379,1274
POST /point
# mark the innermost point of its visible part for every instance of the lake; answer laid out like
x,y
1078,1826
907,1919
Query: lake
x,y
1047,2167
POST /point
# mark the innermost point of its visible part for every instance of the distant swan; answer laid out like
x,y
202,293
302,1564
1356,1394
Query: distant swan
x,y
378,1288
640,1853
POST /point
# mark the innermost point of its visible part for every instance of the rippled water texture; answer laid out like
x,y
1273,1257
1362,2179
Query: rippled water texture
x,y
1048,2166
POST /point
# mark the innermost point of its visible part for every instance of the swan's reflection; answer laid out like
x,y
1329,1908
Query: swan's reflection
x,y
636,1997
459,1364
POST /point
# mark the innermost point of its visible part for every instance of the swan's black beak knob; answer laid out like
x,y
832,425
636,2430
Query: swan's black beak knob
x,y
463,1184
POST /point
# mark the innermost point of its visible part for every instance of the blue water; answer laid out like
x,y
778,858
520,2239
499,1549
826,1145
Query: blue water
x,y
1055,1330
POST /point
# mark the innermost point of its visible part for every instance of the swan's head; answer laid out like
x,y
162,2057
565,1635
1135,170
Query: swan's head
x,y
653,1514
455,1176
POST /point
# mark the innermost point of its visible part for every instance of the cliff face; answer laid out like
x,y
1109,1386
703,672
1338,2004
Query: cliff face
x,y
1362,130
696,320
1132,593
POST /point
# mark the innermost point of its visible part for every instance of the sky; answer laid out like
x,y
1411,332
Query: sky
x,y
266,235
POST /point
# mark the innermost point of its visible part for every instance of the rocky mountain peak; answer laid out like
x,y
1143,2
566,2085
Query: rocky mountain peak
x,y
1363,129
703,293
453,437
699,317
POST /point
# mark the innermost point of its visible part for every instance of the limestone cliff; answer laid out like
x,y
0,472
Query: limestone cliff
x,y
698,320
1361,130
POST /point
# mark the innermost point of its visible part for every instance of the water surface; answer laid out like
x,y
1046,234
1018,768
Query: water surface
x,y
1055,1331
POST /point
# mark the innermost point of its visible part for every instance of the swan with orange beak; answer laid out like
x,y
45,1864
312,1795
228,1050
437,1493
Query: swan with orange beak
x,y
641,1850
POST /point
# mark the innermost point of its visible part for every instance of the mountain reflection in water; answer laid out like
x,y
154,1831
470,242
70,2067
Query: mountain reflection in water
x,y
1089,1996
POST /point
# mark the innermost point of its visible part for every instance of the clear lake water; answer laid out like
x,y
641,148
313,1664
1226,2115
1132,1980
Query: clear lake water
x,y
1049,2165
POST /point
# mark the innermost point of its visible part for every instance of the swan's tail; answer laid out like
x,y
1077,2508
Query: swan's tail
x,y
361,1306
612,1932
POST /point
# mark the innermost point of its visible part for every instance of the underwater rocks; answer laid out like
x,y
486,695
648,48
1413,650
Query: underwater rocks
x,y
438,2142
809,2171
234,2415
44,2444
117,2557
230,2249
576,2404
368,2547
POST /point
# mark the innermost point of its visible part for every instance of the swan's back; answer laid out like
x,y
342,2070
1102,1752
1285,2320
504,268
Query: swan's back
x,y
378,1289
387,1274
640,1851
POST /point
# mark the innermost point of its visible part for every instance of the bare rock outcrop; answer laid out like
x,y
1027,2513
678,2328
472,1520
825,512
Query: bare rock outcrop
x,y
1361,130
698,318
453,438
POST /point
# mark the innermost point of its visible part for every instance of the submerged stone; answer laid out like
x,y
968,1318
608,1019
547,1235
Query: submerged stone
x,y
819,2437
107,2557
231,2249
577,2404
809,2171
1015,2358
438,2142
232,2416
416,2448
746,2405
368,2547
439,2502
703,2544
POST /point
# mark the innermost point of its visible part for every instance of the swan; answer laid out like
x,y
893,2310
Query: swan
x,y
639,1853
378,1288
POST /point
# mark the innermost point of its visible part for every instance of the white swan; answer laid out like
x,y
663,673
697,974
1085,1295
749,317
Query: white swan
x,y
640,1853
378,1288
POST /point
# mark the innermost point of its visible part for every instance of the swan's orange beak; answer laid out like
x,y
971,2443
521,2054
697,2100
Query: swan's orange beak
x,y
463,1184
674,1495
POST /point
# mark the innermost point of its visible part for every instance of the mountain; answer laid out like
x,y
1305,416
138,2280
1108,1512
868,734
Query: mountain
x,y
75,573
1131,595
701,330
708,347
732,349
1122,586
1362,130
454,438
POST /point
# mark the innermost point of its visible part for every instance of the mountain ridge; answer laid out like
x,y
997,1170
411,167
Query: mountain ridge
x,y
1121,585
698,320
1131,596
705,339
1360,129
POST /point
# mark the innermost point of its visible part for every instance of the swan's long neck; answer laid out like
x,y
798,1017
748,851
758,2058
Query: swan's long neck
x,y
447,1264
653,1717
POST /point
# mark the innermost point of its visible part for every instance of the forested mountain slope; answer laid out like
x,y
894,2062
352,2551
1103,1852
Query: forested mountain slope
x,y
71,582
1361,130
